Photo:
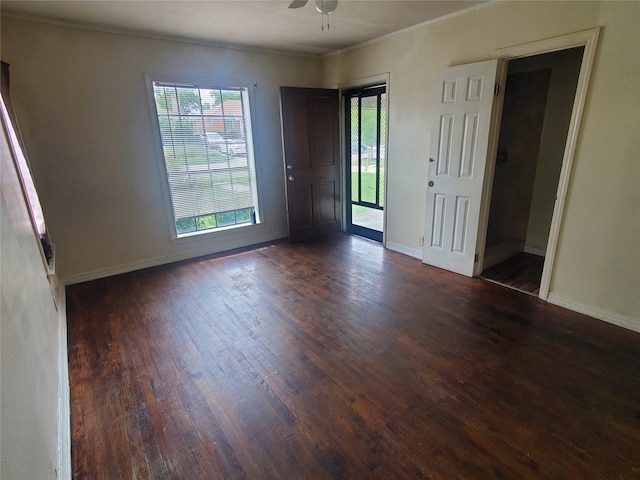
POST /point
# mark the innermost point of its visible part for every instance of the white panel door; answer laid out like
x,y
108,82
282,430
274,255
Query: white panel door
x,y
459,144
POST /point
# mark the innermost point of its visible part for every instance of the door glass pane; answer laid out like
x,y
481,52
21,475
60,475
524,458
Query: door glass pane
x,y
368,135
355,155
383,146
367,217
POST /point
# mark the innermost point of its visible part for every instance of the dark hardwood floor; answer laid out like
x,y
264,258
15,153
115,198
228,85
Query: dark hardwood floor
x,y
522,272
338,359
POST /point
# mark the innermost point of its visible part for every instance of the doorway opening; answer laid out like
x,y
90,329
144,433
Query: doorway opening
x,y
539,97
365,151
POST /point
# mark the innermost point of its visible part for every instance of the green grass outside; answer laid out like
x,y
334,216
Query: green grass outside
x,y
214,220
369,125
368,189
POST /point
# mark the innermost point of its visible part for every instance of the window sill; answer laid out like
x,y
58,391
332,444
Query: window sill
x,y
218,232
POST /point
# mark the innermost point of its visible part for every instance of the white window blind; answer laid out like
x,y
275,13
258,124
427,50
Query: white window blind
x,y
208,154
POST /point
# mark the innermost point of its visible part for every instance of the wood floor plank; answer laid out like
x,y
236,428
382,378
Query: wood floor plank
x,y
522,272
339,359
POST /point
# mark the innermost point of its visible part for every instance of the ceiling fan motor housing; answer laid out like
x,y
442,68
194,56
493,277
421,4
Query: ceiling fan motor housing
x,y
322,6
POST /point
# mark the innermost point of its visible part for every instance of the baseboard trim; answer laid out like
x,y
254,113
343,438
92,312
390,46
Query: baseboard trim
x,y
624,321
64,410
220,246
412,252
534,251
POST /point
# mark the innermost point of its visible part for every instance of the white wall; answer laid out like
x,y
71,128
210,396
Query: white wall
x,y
31,343
81,99
597,268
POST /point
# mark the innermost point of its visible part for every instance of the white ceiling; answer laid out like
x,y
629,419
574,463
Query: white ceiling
x,y
265,24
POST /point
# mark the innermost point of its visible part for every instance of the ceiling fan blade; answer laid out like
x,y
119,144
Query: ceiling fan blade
x,y
298,3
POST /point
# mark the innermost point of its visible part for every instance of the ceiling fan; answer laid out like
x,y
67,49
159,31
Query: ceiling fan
x,y
325,7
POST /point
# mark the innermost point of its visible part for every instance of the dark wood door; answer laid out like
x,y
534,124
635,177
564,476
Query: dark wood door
x,y
311,143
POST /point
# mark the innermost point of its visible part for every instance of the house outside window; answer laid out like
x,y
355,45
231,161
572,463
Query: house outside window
x,y
207,148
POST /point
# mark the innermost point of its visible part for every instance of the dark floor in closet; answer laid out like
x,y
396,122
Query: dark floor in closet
x,y
522,272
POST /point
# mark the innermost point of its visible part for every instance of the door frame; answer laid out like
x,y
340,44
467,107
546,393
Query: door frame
x,y
587,39
381,79
369,91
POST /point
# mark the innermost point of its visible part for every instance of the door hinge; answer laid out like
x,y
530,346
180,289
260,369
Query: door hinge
x,y
476,258
496,89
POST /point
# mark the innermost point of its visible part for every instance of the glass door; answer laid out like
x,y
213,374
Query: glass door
x,y
365,122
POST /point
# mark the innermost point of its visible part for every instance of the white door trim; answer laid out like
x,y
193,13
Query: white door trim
x,y
588,39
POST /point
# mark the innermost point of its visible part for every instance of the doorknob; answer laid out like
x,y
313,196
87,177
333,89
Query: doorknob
x,y
291,178
431,183
289,167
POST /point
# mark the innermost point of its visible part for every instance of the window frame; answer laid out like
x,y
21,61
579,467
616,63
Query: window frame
x,y
250,126
28,187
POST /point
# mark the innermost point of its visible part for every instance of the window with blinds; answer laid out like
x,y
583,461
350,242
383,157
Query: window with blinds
x,y
208,154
